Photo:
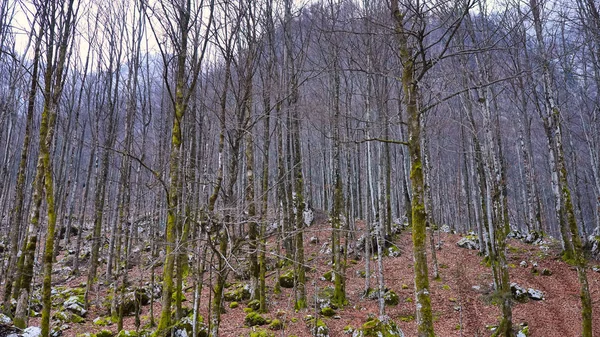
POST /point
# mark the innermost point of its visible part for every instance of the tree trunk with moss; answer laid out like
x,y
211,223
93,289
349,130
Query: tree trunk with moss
x,y
339,295
17,211
180,106
269,78
296,162
52,93
569,230
412,103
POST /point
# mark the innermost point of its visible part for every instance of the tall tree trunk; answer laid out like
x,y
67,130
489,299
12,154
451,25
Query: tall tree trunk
x,y
412,102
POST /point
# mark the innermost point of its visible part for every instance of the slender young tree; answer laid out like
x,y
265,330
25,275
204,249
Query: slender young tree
x,y
553,125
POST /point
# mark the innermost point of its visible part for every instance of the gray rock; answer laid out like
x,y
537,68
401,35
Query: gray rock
x,y
5,320
468,243
314,240
532,237
181,333
308,215
523,264
445,229
535,294
272,228
75,305
519,293
32,331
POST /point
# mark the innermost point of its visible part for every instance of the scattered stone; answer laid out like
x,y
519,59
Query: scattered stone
x,y
445,229
546,272
523,264
67,317
101,321
286,280
276,324
186,325
325,249
523,330
314,240
308,215
75,305
375,328
5,320
32,331
328,276
519,293
62,271
105,333
254,319
399,225
317,327
532,237
393,251
469,242
328,312
535,294
239,293
254,304
389,296
180,333
324,297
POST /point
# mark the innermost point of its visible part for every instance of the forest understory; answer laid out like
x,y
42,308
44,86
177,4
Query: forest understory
x,y
462,297
238,168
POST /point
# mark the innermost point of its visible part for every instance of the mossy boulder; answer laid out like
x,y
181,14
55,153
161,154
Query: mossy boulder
x,y
325,298
5,320
393,251
254,319
104,333
186,325
286,280
233,305
101,321
239,292
127,333
261,333
316,326
67,317
328,276
75,304
376,328
328,312
254,304
391,298
276,324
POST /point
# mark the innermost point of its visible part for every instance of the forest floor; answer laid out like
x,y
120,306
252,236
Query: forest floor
x,y
460,297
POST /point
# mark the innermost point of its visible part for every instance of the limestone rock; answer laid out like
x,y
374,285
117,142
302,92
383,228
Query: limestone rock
x,y
376,328
32,331
469,242
287,280
535,294
75,305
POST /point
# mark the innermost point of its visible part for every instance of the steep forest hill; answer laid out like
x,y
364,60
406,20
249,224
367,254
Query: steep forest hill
x,y
462,298
159,160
